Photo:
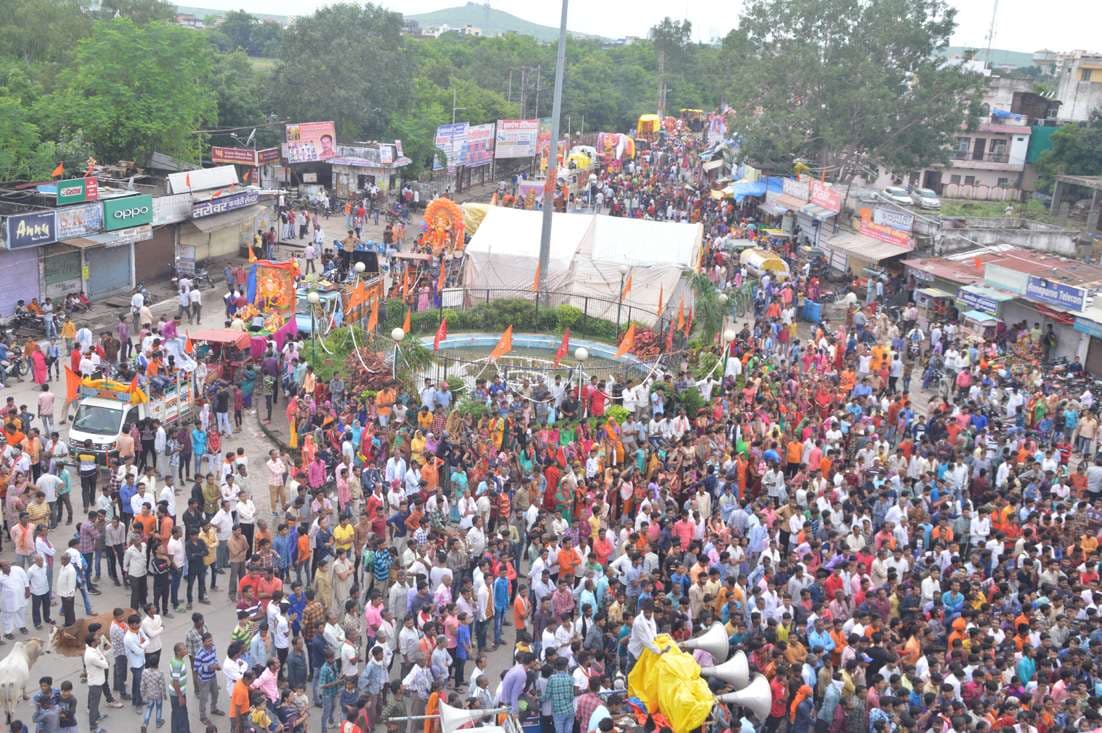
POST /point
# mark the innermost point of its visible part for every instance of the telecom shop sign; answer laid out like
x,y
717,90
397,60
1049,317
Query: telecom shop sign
x,y
126,212
1058,295
31,230
77,191
224,204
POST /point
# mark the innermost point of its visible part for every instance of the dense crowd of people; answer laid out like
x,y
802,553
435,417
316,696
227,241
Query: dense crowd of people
x,y
889,557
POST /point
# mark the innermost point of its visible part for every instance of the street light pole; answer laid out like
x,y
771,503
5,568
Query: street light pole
x,y
313,299
552,163
397,335
620,297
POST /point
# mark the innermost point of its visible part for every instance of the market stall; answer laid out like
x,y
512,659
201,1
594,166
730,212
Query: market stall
x,y
981,326
933,305
224,349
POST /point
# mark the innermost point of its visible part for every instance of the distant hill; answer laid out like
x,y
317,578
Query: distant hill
x,y
283,20
490,21
999,56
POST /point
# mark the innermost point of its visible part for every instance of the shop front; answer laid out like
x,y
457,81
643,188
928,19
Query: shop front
x,y
816,224
25,235
153,259
854,253
61,270
213,235
1090,352
983,299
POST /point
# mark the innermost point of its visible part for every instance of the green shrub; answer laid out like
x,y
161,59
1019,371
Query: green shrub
x,y
471,408
619,413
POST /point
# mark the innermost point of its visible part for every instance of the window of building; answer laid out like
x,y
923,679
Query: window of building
x,y
1004,183
954,179
964,144
1085,75
969,180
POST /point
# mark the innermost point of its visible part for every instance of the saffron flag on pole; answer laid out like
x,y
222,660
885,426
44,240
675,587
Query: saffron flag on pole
x,y
504,345
187,181
405,284
72,385
624,291
564,347
536,279
681,315
689,323
441,334
669,338
660,294
628,342
407,324
373,319
189,347
442,278
59,171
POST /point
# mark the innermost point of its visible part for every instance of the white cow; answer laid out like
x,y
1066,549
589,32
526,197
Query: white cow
x,y
15,673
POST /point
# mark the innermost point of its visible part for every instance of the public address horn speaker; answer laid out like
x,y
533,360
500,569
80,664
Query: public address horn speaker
x,y
714,641
453,718
735,670
756,697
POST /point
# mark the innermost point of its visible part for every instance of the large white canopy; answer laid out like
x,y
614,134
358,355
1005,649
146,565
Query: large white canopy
x,y
590,253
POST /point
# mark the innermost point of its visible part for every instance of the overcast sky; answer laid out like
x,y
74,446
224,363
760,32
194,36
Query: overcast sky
x,y
1022,25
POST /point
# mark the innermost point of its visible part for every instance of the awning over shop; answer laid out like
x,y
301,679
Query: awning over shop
x,y
863,247
1051,313
209,224
711,165
982,298
96,240
818,213
772,209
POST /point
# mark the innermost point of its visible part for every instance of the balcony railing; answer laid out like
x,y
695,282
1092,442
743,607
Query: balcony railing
x,y
987,157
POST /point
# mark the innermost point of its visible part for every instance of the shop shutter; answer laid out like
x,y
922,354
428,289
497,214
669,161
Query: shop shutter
x,y
153,258
108,270
18,278
1094,357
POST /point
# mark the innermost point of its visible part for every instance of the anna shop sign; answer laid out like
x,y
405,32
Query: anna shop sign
x,y
130,211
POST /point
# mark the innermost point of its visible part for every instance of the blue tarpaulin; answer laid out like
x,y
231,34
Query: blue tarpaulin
x,y
741,189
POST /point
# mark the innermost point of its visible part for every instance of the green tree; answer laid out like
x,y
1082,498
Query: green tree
x,y
847,83
1076,150
249,33
36,31
133,89
347,63
240,91
21,153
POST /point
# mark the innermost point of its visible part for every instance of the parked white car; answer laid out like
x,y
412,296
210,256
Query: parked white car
x,y
924,198
897,195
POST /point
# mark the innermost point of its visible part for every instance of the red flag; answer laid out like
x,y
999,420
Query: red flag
x,y
373,319
407,323
441,334
504,345
669,338
564,347
624,291
629,341
59,171
681,315
443,278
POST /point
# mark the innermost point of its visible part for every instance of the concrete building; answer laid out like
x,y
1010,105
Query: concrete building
x,y
1077,76
985,164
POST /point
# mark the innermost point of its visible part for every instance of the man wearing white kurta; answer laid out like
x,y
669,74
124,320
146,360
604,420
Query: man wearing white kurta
x,y
15,589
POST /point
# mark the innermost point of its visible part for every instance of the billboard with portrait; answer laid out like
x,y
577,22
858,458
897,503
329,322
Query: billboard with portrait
x,y
309,142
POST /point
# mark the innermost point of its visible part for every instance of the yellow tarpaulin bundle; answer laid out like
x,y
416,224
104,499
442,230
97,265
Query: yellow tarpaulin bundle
x,y
670,683
473,214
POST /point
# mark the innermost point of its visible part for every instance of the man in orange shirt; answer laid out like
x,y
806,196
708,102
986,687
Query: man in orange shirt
x,y
239,702
522,607
568,559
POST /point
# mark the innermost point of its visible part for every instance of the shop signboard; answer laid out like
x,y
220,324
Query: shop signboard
x,y
797,189
883,233
77,190
478,146
1090,328
449,139
1056,294
826,197
79,221
240,156
309,142
516,138
128,211
974,301
31,230
223,204
899,220
264,156
128,236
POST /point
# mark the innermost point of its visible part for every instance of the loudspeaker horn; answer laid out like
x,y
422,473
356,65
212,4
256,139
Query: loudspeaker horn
x,y
714,641
453,718
735,670
756,697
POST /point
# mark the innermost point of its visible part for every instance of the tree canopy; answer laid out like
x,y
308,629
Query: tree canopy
x,y
1076,151
849,84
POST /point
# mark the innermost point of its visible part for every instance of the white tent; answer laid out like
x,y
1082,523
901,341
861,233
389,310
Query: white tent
x,y
589,254
505,250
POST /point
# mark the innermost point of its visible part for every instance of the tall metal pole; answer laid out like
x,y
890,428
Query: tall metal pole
x,y
552,163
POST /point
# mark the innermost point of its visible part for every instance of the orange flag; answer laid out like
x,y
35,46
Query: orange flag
x,y
187,180
493,199
624,291
660,294
563,347
405,284
443,277
536,279
504,345
407,323
59,171
689,323
72,385
441,334
373,319
681,315
669,338
252,255
189,347
629,341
